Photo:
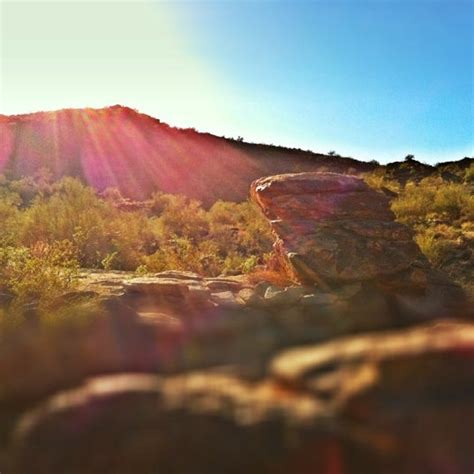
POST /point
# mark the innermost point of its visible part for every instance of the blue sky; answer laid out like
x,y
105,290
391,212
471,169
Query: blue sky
x,y
373,79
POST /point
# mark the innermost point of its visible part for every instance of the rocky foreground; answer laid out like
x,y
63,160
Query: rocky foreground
x,y
366,365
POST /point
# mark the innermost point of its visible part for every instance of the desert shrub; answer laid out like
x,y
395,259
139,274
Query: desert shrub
x,y
229,237
240,228
40,273
166,232
441,213
9,218
180,253
273,272
74,212
273,277
415,203
450,249
131,236
436,245
469,174
378,179
454,200
433,197
179,216
29,187
241,233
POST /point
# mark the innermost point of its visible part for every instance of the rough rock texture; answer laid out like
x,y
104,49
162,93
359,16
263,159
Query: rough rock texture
x,y
176,321
333,229
396,402
342,229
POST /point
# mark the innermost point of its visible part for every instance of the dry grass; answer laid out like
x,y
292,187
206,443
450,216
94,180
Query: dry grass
x,y
270,276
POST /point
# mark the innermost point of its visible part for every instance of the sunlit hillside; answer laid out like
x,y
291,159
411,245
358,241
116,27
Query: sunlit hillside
x,y
119,147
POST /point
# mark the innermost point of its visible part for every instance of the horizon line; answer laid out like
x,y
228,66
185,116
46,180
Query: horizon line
x,y
238,139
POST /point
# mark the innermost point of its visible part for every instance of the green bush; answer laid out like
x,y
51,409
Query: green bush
x,y
441,213
40,273
227,237
469,175
433,197
98,230
9,219
435,245
166,232
377,179
180,253
454,200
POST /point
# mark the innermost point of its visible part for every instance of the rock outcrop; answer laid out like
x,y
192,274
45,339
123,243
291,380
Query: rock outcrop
x,y
334,229
177,321
397,402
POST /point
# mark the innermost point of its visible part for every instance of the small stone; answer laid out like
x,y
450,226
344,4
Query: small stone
x,y
248,297
319,299
287,296
225,299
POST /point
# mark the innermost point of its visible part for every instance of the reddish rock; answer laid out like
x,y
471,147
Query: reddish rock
x,y
333,229
336,225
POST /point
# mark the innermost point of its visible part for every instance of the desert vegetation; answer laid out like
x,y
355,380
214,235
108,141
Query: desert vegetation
x,y
51,229
441,212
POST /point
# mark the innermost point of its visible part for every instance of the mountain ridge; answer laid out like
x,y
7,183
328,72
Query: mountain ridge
x,y
118,146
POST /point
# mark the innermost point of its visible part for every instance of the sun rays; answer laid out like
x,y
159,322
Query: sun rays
x,y
138,155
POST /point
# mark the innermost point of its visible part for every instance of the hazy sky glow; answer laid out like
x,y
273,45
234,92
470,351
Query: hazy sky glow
x,y
370,79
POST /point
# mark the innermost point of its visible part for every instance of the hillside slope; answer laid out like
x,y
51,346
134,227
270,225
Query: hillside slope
x,y
119,147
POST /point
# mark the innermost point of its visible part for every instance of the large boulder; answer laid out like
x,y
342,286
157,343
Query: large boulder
x,y
396,402
334,229
337,226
